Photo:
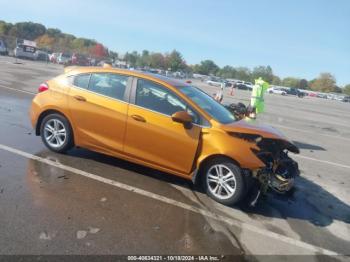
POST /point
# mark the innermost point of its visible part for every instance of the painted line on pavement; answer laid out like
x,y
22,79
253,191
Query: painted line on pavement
x,y
322,161
308,132
18,90
227,220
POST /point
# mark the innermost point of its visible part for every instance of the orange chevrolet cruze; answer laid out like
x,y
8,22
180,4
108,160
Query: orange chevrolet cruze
x,y
164,124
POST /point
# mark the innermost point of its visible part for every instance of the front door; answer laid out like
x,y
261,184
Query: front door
x,y
152,135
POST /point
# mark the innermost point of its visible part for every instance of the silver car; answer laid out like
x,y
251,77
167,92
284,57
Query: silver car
x,y
25,51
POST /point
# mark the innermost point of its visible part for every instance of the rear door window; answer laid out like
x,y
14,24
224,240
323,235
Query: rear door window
x,y
108,84
82,81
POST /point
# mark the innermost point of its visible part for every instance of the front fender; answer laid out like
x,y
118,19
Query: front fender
x,y
217,142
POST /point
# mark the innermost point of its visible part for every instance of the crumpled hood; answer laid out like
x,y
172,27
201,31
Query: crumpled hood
x,y
252,127
265,131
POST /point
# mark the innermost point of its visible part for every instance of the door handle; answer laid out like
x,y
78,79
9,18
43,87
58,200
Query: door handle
x,y
138,118
80,98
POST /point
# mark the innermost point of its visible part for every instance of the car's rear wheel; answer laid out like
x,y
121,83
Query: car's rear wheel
x,y
224,182
56,133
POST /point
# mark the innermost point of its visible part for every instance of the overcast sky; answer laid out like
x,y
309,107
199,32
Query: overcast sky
x,y
296,38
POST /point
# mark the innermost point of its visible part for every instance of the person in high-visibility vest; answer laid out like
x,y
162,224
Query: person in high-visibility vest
x,y
257,98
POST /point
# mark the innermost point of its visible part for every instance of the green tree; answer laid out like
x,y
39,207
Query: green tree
x,y
303,84
206,67
276,81
174,61
291,82
131,58
157,60
5,27
309,84
227,72
28,30
265,72
77,44
113,55
53,32
243,73
325,83
338,89
144,59
346,89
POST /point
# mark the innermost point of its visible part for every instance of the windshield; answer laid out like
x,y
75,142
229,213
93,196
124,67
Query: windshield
x,y
207,103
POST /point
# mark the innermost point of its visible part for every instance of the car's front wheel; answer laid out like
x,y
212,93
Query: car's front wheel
x,y
224,182
56,133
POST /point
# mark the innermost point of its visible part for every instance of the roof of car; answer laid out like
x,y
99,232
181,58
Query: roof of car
x,y
171,81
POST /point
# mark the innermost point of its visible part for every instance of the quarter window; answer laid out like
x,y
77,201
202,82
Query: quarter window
x,y
82,81
111,85
158,98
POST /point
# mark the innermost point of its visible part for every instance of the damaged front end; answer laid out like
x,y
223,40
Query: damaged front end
x,y
280,170
272,148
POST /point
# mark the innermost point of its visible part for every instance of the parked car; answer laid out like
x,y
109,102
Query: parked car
x,y
249,85
244,85
320,95
313,94
64,58
41,55
214,82
3,48
25,51
338,98
295,92
346,99
162,123
276,90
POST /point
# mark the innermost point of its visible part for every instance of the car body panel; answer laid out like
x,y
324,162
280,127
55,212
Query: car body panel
x,y
53,99
158,139
23,51
252,127
90,118
215,142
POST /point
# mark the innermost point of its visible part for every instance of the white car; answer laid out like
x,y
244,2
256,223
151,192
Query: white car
x,y
213,83
276,90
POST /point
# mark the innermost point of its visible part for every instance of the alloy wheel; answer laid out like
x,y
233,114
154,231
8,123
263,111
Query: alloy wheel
x,y
221,181
55,133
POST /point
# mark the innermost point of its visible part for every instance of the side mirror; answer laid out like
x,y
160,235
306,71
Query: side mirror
x,y
182,117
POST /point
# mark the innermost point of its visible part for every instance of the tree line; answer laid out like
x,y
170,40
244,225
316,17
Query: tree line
x,y
52,39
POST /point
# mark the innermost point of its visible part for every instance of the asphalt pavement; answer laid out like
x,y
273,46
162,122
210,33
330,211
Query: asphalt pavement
x,y
87,203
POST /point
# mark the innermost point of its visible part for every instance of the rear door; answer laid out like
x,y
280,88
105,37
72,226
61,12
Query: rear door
x,y
152,136
98,104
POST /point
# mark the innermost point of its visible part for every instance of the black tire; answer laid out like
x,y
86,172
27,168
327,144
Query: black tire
x,y
240,184
68,141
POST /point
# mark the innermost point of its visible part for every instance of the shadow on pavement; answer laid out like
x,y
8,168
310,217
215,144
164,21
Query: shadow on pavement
x,y
309,202
306,146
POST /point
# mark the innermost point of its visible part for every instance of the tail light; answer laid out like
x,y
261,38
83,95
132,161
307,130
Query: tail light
x,y
43,87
